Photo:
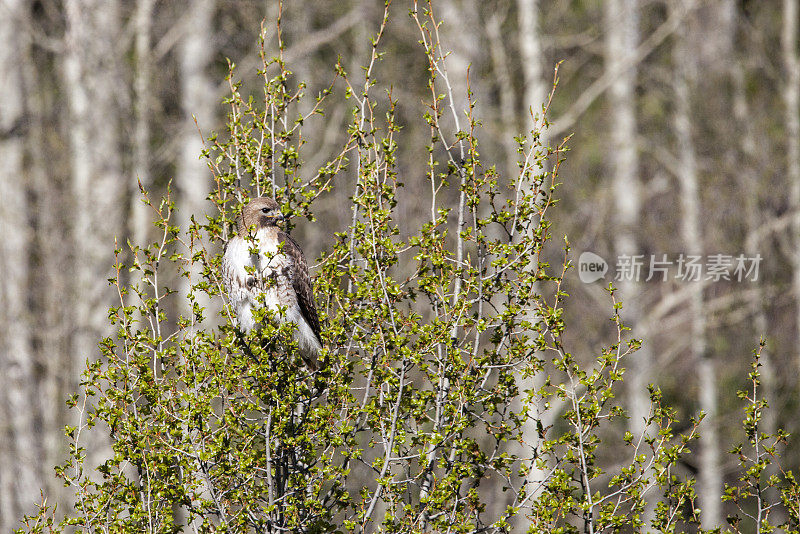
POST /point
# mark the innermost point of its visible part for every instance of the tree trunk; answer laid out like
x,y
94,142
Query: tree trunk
x,y
20,475
621,40
93,87
750,185
141,216
198,101
754,216
53,310
531,55
461,39
791,99
50,308
709,477
505,88
534,94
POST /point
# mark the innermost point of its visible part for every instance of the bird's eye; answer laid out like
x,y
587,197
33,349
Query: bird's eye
x,y
265,210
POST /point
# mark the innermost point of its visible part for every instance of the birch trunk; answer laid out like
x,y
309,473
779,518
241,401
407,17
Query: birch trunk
x,y
91,74
749,180
140,224
709,486
193,180
53,319
621,40
92,79
48,279
750,186
199,101
462,40
791,99
20,476
506,109
531,53
534,93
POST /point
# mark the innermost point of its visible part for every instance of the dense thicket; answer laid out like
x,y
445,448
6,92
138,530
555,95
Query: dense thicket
x,y
425,220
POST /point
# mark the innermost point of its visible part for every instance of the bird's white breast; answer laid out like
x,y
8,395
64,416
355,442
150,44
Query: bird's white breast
x,y
270,274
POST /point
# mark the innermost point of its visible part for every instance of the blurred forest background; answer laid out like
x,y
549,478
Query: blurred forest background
x,y
685,118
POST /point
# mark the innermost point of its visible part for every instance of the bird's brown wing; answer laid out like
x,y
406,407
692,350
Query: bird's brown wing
x,y
301,282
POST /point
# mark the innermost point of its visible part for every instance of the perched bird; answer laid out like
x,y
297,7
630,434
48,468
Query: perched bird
x,y
278,272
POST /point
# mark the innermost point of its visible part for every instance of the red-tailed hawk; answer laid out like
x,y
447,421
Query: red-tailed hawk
x,y
278,271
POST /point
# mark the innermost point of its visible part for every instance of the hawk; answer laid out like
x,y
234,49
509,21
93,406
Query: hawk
x,y
278,271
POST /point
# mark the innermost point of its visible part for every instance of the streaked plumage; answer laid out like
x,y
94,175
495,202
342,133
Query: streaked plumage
x,y
291,288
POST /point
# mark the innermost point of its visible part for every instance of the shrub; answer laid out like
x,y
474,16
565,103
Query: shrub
x,y
447,401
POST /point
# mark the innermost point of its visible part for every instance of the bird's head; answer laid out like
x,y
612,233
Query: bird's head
x,y
261,212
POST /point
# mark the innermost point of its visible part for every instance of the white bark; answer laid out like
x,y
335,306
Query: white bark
x,y
791,99
750,186
199,103
461,39
53,320
91,74
48,284
621,41
91,77
534,93
534,90
141,216
505,88
193,180
709,487
20,478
